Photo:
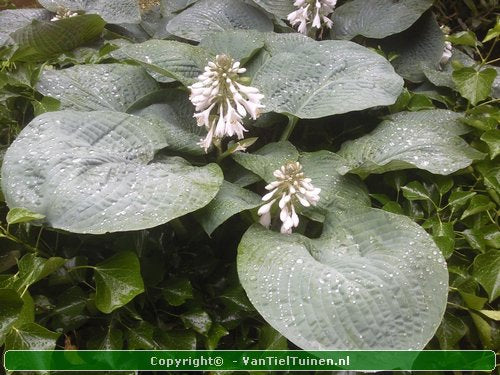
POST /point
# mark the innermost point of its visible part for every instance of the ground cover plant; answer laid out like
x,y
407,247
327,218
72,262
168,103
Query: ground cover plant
x,y
263,174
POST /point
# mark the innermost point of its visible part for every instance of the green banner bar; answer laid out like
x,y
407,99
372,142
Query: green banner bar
x,y
248,360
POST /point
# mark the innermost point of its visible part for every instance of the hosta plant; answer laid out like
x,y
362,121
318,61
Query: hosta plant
x,y
233,174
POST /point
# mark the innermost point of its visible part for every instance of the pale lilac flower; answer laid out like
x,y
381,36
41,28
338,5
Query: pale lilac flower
x,y
447,53
312,13
222,102
291,187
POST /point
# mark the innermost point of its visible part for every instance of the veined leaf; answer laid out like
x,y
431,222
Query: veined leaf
x,y
280,8
318,79
427,140
31,336
419,46
44,39
20,215
113,87
230,200
118,280
208,16
487,273
96,172
474,85
116,11
376,18
373,280
11,305
13,19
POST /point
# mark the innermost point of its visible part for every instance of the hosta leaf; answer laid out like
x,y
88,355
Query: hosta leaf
x,y
419,46
175,113
376,18
31,336
280,8
13,19
373,280
487,273
267,159
11,305
118,280
209,16
319,79
96,172
97,87
167,58
427,140
116,11
230,200
44,39
172,6
241,45
474,85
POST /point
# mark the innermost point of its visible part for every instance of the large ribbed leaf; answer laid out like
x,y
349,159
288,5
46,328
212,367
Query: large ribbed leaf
x,y
421,45
373,280
318,79
376,18
241,45
97,87
169,59
175,113
427,140
13,19
40,40
116,11
96,172
280,8
269,158
230,200
208,16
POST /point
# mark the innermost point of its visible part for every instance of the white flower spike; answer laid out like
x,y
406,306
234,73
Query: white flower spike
x,y
312,13
447,53
291,187
222,102
62,13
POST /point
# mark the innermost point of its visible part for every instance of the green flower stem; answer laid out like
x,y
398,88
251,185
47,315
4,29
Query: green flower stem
x,y
292,121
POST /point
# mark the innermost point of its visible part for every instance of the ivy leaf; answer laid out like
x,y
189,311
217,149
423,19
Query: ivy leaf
x,y
177,339
177,291
31,336
198,320
487,273
118,280
33,268
217,331
11,306
478,204
492,139
460,198
415,191
474,85
141,337
484,330
450,331
21,215
463,38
